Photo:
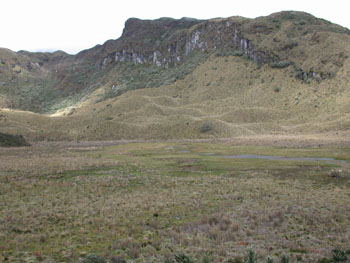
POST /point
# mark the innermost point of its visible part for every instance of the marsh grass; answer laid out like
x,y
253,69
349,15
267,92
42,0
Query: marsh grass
x,y
146,201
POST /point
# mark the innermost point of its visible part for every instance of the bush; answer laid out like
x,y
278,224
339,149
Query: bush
x,y
251,257
339,255
206,258
317,78
182,258
277,89
8,140
281,64
269,259
284,259
299,22
237,53
324,260
92,258
226,53
205,127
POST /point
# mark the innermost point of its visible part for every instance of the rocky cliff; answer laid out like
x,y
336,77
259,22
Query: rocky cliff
x,y
280,40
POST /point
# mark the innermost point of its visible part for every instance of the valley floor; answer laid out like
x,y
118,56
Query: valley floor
x,y
146,201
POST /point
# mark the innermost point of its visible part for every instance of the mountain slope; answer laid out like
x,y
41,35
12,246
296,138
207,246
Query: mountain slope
x,y
231,95
285,73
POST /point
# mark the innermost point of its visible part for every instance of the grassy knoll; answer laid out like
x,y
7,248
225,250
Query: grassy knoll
x,y
145,202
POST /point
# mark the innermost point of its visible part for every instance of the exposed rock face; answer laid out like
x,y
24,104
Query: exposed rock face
x,y
205,37
281,37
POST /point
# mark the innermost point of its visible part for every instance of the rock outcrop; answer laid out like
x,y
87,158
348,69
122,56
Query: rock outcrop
x,y
204,36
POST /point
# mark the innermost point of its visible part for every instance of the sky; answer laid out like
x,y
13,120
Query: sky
x,y
75,25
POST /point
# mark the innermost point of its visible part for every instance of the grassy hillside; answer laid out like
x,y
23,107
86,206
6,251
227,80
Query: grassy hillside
x,y
223,97
285,73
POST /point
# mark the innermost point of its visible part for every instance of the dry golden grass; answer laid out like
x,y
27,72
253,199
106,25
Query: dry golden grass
x,y
145,201
230,93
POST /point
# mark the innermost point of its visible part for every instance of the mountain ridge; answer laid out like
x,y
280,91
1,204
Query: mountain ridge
x,y
166,42
295,62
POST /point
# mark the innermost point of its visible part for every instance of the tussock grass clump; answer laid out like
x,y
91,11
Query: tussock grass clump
x,y
251,257
182,258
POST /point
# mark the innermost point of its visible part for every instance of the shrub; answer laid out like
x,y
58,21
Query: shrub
x,y
236,259
226,53
238,53
335,174
8,140
206,258
277,89
290,45
118,259
281,64
339,255
298,250
205,127
251,257
284,259
93,258
324,260
299,23
182,258
269,259
317,78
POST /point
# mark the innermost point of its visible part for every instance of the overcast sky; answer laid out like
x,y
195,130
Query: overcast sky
x,y
74,25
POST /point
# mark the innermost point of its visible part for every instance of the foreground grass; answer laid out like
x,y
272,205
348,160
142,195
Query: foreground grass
x,y
144,202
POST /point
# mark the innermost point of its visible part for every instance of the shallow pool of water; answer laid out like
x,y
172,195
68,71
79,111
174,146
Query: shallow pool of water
x,y
276,158
272,157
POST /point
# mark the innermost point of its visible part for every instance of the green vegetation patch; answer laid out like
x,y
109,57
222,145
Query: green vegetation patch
x,y
8,140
